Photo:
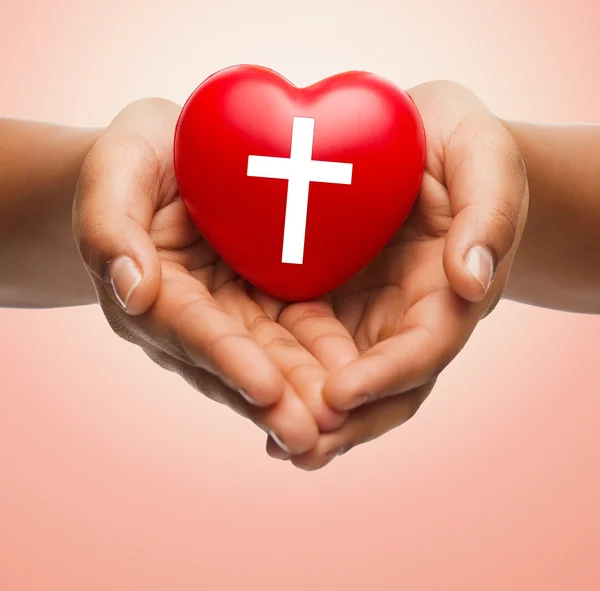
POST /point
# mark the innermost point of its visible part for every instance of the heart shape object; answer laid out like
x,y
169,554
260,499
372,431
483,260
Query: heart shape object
x,y
298,189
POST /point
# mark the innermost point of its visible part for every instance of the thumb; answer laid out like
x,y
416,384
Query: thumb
x,y
115,202
112,214
489,198
124,178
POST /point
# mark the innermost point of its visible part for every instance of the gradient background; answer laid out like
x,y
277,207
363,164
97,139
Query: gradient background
x,y
116,476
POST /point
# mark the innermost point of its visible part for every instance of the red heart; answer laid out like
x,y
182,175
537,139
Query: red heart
x,y
246,129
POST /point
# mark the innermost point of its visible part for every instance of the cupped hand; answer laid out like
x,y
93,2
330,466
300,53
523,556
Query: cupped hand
x,y
162,287
412,310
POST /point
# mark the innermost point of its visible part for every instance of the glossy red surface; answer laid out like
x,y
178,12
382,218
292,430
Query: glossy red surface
x,y
359,118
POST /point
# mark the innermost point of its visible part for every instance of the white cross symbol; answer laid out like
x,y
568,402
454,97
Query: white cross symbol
x,y
299,170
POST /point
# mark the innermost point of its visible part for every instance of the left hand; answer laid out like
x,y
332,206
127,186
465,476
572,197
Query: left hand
x,y
162,287
412,310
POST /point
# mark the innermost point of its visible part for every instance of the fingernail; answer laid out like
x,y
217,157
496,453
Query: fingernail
x,y
124,276
247,398
280,443
479,262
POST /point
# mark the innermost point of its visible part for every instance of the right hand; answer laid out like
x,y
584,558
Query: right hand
x,y
162,287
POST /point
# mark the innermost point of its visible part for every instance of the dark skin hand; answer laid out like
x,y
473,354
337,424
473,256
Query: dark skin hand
x,y
321,376
318,376
414,308
162,287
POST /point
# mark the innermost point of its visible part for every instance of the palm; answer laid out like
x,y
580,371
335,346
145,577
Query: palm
x,y
405,319
399,291
194,277
185,255
396,292
390,329
309,339
401,305
405,279
191,313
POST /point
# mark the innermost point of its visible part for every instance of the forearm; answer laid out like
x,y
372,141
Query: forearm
x,y
39,262
558,261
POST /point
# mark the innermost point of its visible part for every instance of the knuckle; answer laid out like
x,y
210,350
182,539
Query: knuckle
x,y
505,220
259,322
296,314
281,341
327,338
91,228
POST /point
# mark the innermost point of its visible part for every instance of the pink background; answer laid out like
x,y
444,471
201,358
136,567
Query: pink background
x,y
115,476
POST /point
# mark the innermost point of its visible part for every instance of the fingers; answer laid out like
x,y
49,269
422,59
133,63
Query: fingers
x,y
300,369
364,424
316,328
122,182
288,422
186,322
487,184
434,332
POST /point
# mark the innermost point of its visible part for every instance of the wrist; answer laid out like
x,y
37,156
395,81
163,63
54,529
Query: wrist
x,y
76,144
40,166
